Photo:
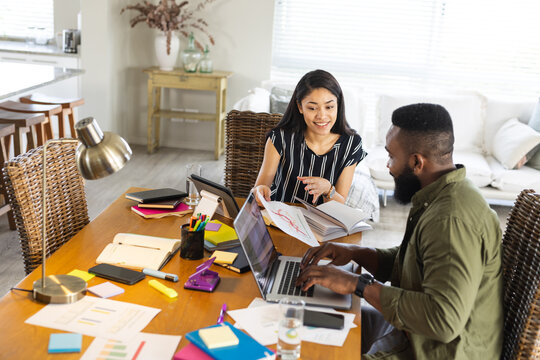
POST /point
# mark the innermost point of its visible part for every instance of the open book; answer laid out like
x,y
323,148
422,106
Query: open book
x,y
138,251
332,219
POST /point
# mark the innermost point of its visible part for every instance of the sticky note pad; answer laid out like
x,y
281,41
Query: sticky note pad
x,y
65,343
218,336
82,274
106,289
224,257
212,226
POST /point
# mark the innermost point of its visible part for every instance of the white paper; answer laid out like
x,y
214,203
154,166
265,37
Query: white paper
x,y
289,219
261,322
96,317
152,346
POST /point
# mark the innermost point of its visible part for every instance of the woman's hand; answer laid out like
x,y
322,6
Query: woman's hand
x,y
315,186
264,190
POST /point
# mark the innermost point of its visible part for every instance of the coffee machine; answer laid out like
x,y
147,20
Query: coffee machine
x,y
71,38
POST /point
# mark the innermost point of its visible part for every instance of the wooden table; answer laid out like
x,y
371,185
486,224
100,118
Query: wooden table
x,y
179,79
190,311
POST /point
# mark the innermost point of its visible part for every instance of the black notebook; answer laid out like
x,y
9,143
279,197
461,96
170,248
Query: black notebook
x,y
155,195
240,264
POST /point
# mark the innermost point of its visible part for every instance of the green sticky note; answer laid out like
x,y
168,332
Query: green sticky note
x,y
82,274
65,343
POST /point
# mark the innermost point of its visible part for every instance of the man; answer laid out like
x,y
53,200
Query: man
x,y
445,297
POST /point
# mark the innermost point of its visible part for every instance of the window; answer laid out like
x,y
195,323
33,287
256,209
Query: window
x,y
20,19
416,45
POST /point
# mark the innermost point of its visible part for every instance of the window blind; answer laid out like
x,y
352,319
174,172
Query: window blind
x,y
22,19
395,46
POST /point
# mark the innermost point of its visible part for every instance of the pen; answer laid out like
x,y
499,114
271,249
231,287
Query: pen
x,y
162,288
222,313
161,275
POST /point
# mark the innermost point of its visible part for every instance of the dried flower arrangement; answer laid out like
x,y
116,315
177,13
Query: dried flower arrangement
x,y
167,16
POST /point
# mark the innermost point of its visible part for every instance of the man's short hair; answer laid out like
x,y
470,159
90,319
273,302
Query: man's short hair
x,y
428,129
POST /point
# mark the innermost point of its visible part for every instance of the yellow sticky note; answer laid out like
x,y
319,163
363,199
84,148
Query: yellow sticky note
x,y
218,336
82,274
224,257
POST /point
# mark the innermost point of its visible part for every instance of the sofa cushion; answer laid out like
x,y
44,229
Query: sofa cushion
x,y
513,180
376,161
279,99
534,161
466,112
477,168
513,141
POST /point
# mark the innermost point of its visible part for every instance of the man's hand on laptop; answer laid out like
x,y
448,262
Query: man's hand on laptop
x,y
339,254
329,276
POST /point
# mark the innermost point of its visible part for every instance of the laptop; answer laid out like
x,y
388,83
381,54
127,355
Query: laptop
x,y
275,274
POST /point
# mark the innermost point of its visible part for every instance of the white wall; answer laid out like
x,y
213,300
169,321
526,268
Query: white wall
x,y
114,55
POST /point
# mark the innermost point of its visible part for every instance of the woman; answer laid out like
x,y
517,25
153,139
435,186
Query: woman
x,y
312,152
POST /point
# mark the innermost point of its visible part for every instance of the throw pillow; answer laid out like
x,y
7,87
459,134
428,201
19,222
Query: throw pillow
x,y
534,161
513,141
534,121
279,99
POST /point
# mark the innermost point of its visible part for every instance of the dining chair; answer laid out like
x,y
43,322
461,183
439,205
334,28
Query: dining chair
x,y
67,210
7,131
245,138
521,274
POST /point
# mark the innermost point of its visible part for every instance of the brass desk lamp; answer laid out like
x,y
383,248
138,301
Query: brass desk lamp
x,y
98,155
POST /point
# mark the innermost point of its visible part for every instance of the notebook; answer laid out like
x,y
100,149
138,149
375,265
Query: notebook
x,y
247,348
240,264
274,274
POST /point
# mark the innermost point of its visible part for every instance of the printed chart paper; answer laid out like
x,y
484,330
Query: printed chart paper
x,y
96,317
289,219
143,346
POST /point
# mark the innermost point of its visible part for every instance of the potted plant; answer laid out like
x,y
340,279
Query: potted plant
x,y
169,17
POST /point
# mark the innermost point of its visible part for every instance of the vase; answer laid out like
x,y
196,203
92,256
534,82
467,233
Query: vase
x,y
191,55
166,61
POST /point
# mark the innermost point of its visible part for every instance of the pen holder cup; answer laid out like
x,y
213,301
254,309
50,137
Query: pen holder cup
x,y
192,246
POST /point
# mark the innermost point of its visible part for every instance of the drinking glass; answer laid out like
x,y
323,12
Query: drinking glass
x,y
193,196
290,328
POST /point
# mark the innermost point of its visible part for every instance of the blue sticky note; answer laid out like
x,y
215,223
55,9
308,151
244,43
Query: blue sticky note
x,y
65,343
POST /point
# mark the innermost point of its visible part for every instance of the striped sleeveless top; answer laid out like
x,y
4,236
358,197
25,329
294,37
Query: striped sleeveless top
x,y
297,159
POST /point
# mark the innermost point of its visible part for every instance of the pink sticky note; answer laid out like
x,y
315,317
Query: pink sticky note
x,y
106,289
212,226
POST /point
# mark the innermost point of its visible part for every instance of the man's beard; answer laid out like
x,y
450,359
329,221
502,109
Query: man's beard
x,y
407,184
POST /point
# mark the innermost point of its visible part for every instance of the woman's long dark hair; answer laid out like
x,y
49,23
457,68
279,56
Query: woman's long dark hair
x,y
293,120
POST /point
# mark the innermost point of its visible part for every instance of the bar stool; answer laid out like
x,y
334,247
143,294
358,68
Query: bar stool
x,y
29,124
45,131
67,109
6,130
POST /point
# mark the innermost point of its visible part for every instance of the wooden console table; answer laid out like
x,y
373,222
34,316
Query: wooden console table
x,y
179,79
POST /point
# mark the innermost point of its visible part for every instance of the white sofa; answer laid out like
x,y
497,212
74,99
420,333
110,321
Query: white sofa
x,y
477,130
477,123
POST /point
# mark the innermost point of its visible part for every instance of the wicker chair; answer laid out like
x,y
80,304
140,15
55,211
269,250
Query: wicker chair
x,y
245,133
67,211
521,273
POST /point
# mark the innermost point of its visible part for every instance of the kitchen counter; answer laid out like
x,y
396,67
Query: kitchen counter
x,y
22,47
19,78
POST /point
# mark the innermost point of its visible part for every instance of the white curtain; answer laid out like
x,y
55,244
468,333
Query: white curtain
x,y
24,18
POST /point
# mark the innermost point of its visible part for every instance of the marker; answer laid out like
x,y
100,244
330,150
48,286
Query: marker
x,y
222,314
161,275
162,288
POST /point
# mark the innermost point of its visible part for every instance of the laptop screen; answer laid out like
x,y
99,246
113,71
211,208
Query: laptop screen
x,y
256,241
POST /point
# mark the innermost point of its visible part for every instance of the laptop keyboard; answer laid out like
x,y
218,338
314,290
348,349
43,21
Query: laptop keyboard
x,y
288,279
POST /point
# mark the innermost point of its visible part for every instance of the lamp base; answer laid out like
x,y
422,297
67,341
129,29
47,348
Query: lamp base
x,y
59,289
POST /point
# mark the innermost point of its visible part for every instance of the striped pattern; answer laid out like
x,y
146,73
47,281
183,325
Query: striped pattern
x,y
297,159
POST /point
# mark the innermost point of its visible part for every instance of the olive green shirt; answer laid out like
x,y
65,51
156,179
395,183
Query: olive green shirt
x,y
447,288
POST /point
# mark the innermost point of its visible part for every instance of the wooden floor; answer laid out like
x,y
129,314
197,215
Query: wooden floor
x,y
167,168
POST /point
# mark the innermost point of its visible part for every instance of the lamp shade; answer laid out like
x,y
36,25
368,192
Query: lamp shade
x,y
99,154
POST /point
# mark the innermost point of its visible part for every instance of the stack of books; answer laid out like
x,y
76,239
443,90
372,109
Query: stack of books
x,y
222,239
157,203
